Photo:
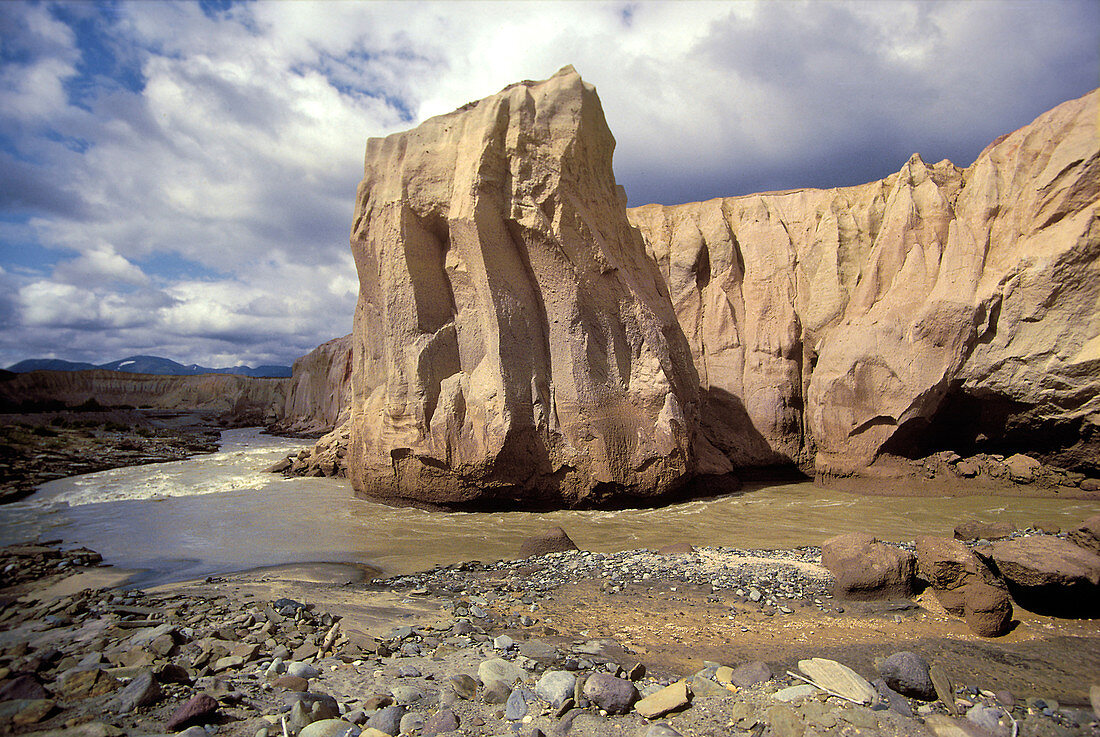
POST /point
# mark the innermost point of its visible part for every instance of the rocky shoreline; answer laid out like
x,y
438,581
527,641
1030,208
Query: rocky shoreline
x,y
684,641
40,447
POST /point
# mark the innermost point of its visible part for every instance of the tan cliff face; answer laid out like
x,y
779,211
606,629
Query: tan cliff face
x,y
512,340
260,399
839,326
320,390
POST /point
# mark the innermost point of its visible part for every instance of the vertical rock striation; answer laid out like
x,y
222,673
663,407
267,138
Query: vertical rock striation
x,y
320,390
937,308
512,340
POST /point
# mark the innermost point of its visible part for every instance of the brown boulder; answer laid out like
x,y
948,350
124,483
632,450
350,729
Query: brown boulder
x,y
987,609
1049,575
945,563
1087,534
200,707
978,530
864,568
86,684
553,540
952,600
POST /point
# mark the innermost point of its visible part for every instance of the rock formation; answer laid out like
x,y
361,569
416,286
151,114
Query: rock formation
x,y
939,308
243,397
512,339
320,390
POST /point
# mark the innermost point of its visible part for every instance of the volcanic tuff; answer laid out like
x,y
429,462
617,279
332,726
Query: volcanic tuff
x,y
512,340
939,308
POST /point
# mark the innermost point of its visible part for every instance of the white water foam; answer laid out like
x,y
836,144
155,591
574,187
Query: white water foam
x,y
238,464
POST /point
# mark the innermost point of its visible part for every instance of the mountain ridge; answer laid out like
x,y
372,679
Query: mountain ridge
x,y
154,365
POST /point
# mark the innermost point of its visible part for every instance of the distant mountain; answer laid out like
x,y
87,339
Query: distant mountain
x,y
49,364
148,365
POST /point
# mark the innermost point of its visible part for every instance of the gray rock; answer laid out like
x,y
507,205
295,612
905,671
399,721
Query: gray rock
x,y
661,730
895,701
411,722
406,694
988,718
503,642
613,695
908,674
498,669
496,692
329,728
301,670
556,686
141,691
387,720
408,671
795,693
516,706
750,674
441,722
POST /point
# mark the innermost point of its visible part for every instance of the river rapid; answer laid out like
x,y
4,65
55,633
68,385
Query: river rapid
x,y
218,513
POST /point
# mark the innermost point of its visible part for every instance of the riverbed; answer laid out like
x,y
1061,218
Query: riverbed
x,y
218,513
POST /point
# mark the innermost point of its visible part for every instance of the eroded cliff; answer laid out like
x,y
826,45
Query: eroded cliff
x,y
319,394
939,308
243,398
513,343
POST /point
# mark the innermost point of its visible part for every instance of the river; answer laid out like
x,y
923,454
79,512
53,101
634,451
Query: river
x,y
219,513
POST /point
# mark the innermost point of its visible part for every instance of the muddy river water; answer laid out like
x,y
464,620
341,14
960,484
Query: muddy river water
x,y
221,512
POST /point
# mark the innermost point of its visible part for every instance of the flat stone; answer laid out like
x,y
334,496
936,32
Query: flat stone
x,y
840,679
24,687
668,699
944,726
795,693
201,707
88,684
702,686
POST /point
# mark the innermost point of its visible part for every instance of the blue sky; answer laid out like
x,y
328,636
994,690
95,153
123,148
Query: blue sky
x,y
178,178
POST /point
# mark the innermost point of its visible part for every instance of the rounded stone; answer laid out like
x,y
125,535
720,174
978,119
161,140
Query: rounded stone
x,y
556,686
907,673
613,695
329,728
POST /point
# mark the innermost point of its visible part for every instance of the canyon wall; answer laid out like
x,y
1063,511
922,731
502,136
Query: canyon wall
x,y
939,308
513,344
319,394
246,398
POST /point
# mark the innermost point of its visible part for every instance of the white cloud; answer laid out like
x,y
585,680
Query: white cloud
x,y
235,161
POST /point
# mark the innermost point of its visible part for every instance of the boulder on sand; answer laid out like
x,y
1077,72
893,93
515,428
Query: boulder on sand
x,y
866,569
1048,575
1087,534
553,540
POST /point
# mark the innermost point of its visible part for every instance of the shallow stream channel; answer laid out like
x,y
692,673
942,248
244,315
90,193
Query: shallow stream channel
x,y
220,513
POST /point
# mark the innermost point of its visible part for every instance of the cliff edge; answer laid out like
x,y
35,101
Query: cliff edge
x,y
937,309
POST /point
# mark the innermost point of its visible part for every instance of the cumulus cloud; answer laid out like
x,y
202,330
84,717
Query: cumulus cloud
x,y
228,142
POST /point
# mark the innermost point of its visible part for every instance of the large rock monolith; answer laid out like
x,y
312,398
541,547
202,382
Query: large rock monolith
x,y
513,344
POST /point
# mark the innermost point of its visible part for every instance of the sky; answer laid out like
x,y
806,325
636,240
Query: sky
x,y
178,179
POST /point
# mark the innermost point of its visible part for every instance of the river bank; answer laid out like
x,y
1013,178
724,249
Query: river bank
x,y
38,447
561,642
